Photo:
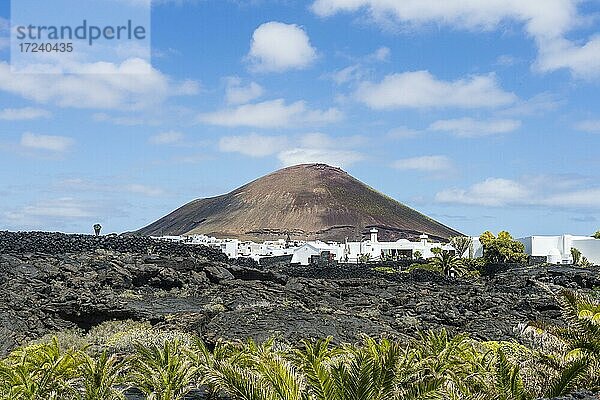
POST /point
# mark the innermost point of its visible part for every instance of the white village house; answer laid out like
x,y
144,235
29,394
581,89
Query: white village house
x,y
371,249
557,249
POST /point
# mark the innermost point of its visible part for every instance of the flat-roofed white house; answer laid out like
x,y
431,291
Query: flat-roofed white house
x,y
371,249
303,254
557,249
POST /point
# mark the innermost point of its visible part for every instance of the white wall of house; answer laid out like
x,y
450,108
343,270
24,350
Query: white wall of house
x,y
351,252
557,249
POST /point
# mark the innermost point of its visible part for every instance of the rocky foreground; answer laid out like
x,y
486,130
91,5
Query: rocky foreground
x,y
52,282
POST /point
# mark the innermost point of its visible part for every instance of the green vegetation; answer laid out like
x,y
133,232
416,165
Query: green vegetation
x,y
435,365
502,249
576,255
578,259
462,245
449,264
596,235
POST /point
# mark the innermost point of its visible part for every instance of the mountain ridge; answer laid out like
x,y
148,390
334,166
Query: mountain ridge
x,y
306,201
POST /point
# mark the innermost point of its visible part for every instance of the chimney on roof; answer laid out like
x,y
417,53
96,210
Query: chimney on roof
x,y
374,233
424,238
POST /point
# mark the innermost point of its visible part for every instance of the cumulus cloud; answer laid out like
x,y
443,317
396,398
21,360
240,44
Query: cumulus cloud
x,y
271,114
424,164
336,158
421,89
582,60
547,25
590,125
167,138
548,191
491,192
60,208
22,114
131,85
253,145
236,93
313,147
57,144
468,127
279,47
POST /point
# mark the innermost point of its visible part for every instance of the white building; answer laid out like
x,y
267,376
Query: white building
x,y
557,249
371,249
302,255
302,252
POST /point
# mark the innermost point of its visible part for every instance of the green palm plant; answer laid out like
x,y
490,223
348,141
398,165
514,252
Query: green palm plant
x,y
256,372
102,377
163,372
508,381
367,372
440,366
316,361
444,262
579,342
40,371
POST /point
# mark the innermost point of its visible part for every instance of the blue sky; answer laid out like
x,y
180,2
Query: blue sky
x,y
483,115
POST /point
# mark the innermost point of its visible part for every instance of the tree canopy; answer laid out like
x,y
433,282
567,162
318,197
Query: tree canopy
x,y
502,249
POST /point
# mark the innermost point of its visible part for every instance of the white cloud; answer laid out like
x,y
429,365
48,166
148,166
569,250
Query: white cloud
x,y
420,89
278,47
59,208
144,190
554,18
547,24
546,191
4,24
491,192
348,74
84,185
321,140
167,138
337,158
583,61
381,54
236,93
307,148
590,125
60,213
586,198
540,104
56,144
468,127
424,164
271,114
132,85
252,145
21,114
128,119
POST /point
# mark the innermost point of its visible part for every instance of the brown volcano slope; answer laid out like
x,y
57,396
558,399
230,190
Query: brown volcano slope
x,y
309,201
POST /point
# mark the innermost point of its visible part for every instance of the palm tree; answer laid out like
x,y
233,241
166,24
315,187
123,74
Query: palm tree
x,y
102,376
163,372
256,372
579,342
40,371
445,262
